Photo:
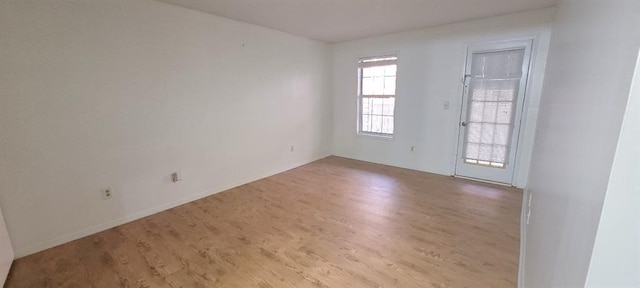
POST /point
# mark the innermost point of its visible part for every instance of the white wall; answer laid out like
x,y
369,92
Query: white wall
x,y
615,261
122,93
591,62
430,65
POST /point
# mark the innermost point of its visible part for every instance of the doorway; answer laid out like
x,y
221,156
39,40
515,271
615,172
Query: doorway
x,y
495,82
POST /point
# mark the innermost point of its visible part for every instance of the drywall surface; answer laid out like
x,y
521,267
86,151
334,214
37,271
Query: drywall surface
x,y
592,56
430,66
121,93
615,261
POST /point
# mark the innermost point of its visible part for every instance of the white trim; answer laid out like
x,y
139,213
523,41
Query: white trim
x,y
523,236
376,135
373,62
461,90
102,227
526,113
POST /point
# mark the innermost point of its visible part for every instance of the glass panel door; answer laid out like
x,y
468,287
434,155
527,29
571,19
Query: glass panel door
x,y
495,80
493,85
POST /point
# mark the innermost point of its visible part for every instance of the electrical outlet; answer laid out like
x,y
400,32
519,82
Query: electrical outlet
x,y
176,176
412,148
107,193
445,105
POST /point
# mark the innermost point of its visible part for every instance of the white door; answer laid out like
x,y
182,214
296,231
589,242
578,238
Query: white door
x,y
494,88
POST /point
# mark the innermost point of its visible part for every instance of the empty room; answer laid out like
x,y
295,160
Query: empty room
x,y
320,143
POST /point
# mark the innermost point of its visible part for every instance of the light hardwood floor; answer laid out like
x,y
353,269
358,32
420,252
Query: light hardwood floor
x,y
332,223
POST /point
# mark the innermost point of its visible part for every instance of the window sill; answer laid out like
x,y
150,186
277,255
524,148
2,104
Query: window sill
x,y
375,136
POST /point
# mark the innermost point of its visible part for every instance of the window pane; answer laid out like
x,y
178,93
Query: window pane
x,y
388,106
389,85
502,134
478,89
487,133
475,115
506,95
472,151
504,112
377,106
490,111
367,84
387,124
373,71
366,105
366,123
367,72
376,124
499,154
473,135
377,86
484,153
390,70
492,95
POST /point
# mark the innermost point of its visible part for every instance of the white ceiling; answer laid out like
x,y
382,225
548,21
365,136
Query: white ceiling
x,y
341,20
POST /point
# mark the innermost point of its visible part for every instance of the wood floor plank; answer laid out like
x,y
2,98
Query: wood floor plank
x,y
332,223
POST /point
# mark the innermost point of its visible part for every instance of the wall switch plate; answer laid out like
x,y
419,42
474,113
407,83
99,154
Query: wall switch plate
x,y
445,105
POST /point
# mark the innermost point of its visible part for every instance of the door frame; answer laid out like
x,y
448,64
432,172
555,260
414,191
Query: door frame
x,y
531,45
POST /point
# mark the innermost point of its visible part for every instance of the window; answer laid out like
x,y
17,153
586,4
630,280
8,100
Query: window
x,y
376,95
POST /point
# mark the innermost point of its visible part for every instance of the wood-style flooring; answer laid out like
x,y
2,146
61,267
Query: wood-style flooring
x,y
332,223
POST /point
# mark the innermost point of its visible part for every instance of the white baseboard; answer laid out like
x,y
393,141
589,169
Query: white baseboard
x,y
129,218
523,236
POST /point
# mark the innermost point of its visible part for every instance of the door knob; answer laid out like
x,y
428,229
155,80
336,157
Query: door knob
x,y
464,124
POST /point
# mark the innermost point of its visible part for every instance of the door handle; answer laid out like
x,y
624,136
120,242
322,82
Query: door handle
x,y
464,124
464,79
